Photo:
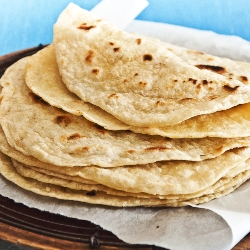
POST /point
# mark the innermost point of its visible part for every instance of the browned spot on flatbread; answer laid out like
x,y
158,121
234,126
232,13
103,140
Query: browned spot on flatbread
x,y
136,74
90,56
212,97
95,71
243,79
138,41
91,193
185,99
85,26
1,98
147,57
204,82
230,89
85,149
37,99
157,148
62,120
131,151
74,136
159,103
63,138
192,80
198,86
82,149
111,43
198,52
113,95
116,49
216,69
142,84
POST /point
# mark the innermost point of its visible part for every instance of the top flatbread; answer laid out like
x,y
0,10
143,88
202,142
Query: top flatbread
x,y
138,81
43,78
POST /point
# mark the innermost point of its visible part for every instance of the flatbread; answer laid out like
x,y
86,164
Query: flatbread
x,y
231,178
43,78
233,70
161,178
9,172
51,135
69,174
137,81
42,75
228,123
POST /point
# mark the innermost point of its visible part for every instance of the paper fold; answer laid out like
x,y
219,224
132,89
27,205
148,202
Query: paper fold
x,y
232,47
120,13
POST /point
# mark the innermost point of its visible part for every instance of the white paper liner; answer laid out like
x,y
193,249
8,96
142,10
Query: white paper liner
x,y
174,228
120,13
232,47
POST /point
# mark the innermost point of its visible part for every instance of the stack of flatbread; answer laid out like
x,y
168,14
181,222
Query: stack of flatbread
x,y
107,117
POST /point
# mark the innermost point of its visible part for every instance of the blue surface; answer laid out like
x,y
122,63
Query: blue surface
x,y
27,23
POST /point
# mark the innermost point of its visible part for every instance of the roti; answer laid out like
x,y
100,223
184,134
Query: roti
x,y
161,178
232,177
45,189
37,129
136,80
42,76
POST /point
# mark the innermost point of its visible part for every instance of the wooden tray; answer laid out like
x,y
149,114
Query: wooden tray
x,y
24,226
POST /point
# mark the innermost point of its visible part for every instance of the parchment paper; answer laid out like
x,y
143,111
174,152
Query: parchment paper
x,y
232,47
219,224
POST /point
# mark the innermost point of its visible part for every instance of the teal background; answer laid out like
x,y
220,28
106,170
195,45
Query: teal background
x,y
27,23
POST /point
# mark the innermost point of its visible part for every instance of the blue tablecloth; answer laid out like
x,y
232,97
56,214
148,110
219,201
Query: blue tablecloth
x,y
27,23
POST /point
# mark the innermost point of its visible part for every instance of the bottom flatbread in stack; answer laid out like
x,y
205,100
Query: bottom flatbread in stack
x,y
45,184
